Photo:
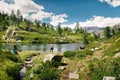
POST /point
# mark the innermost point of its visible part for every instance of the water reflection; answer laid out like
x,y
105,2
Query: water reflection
x,y
43,47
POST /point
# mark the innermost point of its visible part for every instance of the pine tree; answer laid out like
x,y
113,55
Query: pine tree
x,y
60,31
113,32
85,41
44,26
13,18
107,32
77,27
19,17
37,23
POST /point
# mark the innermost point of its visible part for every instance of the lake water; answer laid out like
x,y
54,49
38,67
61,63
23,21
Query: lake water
x,y
43,47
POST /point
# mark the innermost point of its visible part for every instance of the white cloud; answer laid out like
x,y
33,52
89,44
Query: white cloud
x,y
25,6
41,15
97,21
30,10
56,19
4,7
114,3
72,26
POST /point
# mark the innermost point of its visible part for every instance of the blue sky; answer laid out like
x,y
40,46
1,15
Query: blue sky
x,y
79,10
100,13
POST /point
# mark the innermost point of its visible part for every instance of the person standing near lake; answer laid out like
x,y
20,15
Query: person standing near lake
x,y
15,49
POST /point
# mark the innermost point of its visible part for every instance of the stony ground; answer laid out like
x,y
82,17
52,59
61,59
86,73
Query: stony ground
x,y
80,66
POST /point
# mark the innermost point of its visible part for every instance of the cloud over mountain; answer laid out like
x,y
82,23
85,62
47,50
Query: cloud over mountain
x,y
32,10
98,21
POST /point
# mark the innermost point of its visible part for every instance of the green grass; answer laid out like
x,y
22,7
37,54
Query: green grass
x,y
112,46
44,36
42,71
8,62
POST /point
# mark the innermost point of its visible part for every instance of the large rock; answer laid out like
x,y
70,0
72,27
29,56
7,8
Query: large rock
x,y
8,32
23,72
52,57
108,78
62,67
117,55
31,76
73,76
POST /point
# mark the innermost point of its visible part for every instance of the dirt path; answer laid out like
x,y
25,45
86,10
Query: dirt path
x,y
27,63
80,66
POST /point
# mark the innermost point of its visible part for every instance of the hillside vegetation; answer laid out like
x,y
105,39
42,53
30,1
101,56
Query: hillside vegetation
x,y
14,27
100,57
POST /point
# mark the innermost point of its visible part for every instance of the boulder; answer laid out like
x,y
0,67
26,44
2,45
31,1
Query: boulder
x,y
62,67
23,72
52,57
108,78
117,55
92,49
31,76
13,33
29,65
28,59
73,76
96,48
28,62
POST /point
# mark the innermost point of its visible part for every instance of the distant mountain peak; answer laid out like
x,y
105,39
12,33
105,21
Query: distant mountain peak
x,y
93,29
9,1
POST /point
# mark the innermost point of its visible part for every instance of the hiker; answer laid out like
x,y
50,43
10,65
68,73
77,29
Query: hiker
x,y
15,49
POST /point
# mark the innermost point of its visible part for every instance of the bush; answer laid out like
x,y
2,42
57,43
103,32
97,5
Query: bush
x,y
81,55
70,54
84,53
8,55
104,67
38,69
13,58
55,63
88,52
47,71
14,72
49,74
